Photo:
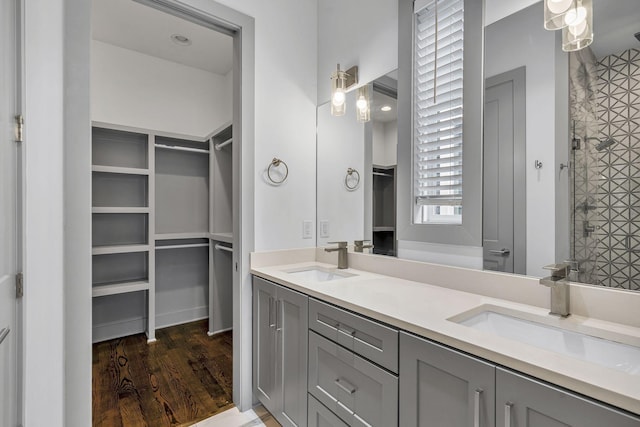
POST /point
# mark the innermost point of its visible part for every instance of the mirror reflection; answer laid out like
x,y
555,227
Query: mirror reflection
x,y
561,158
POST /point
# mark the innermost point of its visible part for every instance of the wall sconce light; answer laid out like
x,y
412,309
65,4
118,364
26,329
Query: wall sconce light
x,y
363,104
341,81
578,32
555,12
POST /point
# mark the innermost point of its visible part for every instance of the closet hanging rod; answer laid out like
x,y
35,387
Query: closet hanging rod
x,y
223,248
383,174
190,245
220,145
177,148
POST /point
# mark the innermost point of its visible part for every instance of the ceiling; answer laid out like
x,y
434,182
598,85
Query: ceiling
x,y
137,27
614,24
377,102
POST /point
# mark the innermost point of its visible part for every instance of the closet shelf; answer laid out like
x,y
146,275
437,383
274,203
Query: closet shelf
x,y
118,210
222,237
185,246
383,228
119,288
120,249
179,236
120,170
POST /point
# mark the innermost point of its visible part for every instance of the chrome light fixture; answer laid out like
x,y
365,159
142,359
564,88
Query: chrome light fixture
x,y
555,12
363,104
578,32
341,81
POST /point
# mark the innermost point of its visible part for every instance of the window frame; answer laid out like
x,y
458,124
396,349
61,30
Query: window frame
x,y
469,233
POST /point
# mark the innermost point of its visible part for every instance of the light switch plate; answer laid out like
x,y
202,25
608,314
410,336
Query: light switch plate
x,y
307,229
324,228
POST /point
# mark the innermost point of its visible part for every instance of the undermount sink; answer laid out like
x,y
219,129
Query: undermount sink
x,y
590,347
319,274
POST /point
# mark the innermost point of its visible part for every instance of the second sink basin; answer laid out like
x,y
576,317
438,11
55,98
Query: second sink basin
x,y
590,348
319,274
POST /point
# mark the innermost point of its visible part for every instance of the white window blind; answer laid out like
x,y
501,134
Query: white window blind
x,y
437,74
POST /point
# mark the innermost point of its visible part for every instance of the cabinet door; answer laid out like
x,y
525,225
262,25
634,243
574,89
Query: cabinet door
x,y
320,416
292,323
524,402
264,343
442,387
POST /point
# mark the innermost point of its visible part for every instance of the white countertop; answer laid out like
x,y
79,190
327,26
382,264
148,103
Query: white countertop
x,y
423,309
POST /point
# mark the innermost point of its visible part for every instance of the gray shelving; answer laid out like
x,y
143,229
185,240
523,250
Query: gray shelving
x,y
162,207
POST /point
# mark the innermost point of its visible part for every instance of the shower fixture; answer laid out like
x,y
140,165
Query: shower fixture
x,y
602,144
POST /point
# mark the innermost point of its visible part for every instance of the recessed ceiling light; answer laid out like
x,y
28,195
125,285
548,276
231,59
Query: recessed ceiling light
x,y
181,40
385,108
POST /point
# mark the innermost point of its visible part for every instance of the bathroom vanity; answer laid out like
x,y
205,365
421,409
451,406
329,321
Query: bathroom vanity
x,y
355,347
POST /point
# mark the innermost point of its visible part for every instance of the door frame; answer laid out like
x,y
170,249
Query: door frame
x,y
518,78
77,194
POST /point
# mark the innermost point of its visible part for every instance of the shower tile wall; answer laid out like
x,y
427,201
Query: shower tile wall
x,y
618,100
583,176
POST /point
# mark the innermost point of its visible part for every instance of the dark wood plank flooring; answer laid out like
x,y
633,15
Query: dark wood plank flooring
x,y
179,380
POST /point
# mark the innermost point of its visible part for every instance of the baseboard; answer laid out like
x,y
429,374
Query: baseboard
x,y
173,318
111,330
219,331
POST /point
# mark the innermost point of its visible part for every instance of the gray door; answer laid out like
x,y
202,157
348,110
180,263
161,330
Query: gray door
x,y
264,343
292,320
442,387
524,402
8,224
504,202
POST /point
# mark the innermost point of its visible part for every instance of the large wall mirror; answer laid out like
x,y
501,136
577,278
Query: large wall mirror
x,y
561,155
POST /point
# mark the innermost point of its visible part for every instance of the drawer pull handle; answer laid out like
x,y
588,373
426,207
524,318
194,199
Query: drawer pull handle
x,y
271,322
507,414
278,315
349,388
346,330
476,407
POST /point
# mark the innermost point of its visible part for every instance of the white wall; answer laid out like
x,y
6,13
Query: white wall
x,y
286,43
385,143
133,89
521,40
44,352
341,145
498,9
356,32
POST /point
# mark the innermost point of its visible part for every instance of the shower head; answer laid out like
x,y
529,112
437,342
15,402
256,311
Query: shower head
x,y
605,143
602,144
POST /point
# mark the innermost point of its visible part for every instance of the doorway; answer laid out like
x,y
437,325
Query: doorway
x,y
162,177
504,204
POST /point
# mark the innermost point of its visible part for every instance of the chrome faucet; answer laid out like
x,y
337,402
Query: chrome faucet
x,y
559,288
358,245
342,254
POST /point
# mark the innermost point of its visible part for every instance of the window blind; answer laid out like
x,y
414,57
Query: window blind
x,y
437,73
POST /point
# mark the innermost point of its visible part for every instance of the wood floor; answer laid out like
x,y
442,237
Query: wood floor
x,y
179,380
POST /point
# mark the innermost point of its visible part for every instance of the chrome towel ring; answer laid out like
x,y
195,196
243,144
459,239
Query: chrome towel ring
x,y
350,174
274,164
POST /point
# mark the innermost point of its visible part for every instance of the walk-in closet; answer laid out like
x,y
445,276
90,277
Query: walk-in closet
x,y
162,216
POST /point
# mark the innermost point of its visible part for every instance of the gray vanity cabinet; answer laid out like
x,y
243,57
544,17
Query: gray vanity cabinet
x,y
525,402
280,329
443,387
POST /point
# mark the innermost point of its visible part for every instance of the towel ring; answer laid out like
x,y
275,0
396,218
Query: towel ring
x,y
350,172
274,164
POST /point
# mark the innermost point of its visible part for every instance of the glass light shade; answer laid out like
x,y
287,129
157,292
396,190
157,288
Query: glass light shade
x,y
363,104
555,12
338,92
578,33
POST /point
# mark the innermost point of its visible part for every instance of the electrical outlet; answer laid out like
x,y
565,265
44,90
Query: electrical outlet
x,y
324,228
307,229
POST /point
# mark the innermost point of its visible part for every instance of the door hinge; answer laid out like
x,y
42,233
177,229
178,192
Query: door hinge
x,y
236,266
19,285
19,127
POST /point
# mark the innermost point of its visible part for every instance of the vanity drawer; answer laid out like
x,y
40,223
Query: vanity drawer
x,y
359,392
320,416
372,340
